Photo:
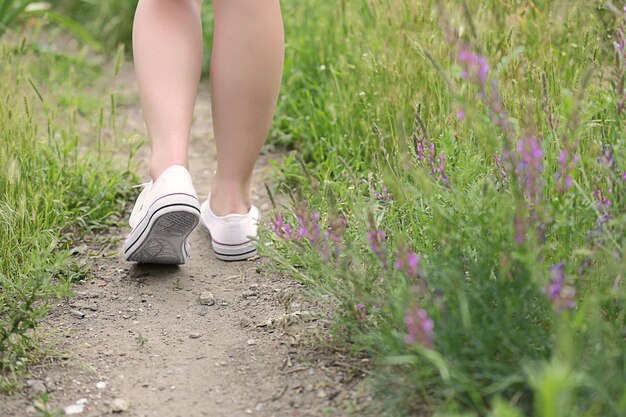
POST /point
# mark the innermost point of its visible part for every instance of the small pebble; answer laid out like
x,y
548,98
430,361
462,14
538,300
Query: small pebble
x,y
101,385
251,342
194,335
78,314
207,298
36,386
249,293
119,405
74,409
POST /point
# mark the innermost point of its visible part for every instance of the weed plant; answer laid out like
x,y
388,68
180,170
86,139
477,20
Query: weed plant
x,y
16,12
56,184
111,22
457,191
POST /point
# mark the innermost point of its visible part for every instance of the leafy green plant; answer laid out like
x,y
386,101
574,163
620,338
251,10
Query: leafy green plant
x,y
12,11
457,195
141,340
111,22
51,192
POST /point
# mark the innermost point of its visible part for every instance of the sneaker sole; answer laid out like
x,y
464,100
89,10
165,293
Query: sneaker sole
x,y
231,253
161,238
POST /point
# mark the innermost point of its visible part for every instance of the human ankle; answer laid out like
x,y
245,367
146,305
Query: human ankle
x,y
230,200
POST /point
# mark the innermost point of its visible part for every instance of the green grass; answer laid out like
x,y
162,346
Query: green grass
x,y
356,75
111,22
57,184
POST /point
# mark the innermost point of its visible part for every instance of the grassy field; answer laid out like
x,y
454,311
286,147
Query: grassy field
x,y
58,182
458,192
456,173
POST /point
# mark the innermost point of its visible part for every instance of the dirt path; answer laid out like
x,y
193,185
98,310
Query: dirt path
x,y
147,342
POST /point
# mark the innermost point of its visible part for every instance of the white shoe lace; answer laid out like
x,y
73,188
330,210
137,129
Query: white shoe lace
x,y
144,185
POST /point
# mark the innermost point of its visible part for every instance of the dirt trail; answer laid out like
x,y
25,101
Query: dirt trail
x,y
146,339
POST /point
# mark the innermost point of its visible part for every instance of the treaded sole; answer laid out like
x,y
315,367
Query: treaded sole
x,y
165,239
230,253
235,253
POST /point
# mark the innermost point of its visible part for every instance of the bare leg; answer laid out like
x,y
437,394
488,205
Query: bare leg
x,y
167,46
246,70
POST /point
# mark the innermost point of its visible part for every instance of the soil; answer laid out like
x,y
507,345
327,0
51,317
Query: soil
x,y
137,340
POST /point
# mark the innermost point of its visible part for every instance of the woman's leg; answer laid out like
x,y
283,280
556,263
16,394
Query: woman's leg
x,y
167,47
246,70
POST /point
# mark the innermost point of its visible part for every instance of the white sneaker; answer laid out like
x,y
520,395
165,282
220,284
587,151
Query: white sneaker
x,y
233,236
165,213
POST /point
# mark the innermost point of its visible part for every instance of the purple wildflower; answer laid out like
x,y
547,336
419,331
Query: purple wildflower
x,y
561,296
530,167
436,161
475,67
419,328
566,166
620,44
419,148
281,228
607,157
620,69
524,161
408,262
377,238
309,227
586,263
334,234
476,71
603,203
553,122
310,230
382,195
373,185
503,175
361,312
460,114
438,165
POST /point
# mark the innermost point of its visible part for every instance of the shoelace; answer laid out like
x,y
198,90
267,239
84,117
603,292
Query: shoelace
x,y
140,206
144,185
